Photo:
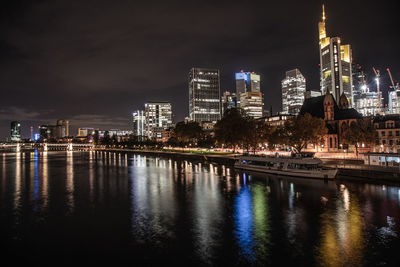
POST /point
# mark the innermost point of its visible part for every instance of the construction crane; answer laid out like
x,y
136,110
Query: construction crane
x,y
377,74
391,79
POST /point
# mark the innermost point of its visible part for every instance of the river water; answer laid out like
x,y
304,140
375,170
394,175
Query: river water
x,y
125,209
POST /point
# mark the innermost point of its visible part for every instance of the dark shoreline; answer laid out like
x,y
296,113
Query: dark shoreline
x,y
214,158
344,174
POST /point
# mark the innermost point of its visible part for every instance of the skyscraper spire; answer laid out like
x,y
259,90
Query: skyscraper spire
x,y
322,30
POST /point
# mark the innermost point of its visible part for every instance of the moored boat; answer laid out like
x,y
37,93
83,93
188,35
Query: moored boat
x,y
292,166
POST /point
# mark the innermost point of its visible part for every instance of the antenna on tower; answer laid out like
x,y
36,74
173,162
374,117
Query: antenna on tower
x,y
323,13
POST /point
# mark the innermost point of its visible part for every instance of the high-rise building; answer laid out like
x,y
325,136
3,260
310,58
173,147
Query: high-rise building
x,y
158,116
367,103
85,131
247,82
365,100
31,129
311,93
248,92
139,123
359,82
47,131
293,89
228,101
335,64
393,96
252,103
204,95
15,131
62,129
394,100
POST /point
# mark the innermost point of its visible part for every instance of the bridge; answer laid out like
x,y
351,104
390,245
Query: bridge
x,y
45,147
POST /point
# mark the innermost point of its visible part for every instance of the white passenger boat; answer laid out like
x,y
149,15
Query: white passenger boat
x,y
292,166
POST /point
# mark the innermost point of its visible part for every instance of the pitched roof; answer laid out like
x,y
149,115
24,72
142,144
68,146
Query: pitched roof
x,y
315,106
389,117
344,114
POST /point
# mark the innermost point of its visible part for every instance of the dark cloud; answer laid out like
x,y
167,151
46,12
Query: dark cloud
x,y
63,59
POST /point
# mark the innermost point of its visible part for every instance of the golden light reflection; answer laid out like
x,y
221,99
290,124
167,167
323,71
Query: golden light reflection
x,y
4,173
45,180
70,181
342,239
17,191
208,212
33,175
91,177
153,200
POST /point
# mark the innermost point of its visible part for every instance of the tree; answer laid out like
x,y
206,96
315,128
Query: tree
x,y
207,141
189,132
275,137
106,139
362,131
302,130
255,133
114,140
96,137
230,130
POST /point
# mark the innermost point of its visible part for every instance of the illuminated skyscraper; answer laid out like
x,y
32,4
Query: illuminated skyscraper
x,y
335,64
394,100
293,89
228,101
62,129
359,82
158,117
15,131
252,103
365,100
139,123
247,82
204,95
367,103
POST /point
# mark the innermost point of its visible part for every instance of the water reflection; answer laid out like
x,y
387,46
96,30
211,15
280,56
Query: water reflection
x,y
208,212
171,209
261,220
91,175
70,181
3,174
45,181
342,239
252,222
244,223
153,202
18,189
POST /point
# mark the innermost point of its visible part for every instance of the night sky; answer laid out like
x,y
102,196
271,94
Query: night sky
x,y
95,62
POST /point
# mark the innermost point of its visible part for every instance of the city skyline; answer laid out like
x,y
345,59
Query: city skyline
x,y
99,80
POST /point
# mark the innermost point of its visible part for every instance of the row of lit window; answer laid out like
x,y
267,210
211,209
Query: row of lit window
x,y
390,133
